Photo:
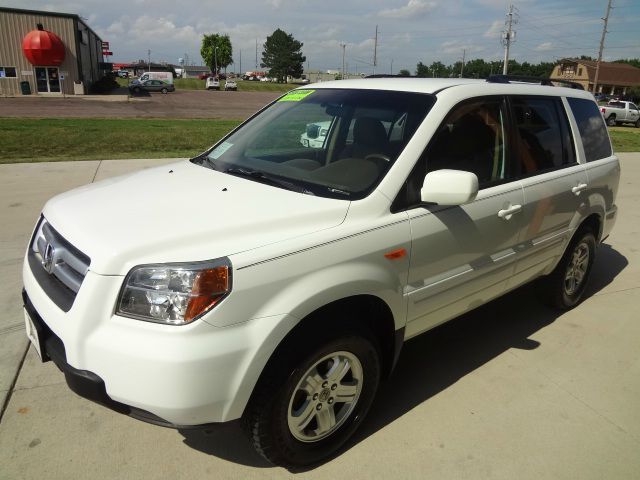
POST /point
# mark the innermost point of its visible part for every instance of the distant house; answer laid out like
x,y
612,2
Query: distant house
x,y
613,78
192,71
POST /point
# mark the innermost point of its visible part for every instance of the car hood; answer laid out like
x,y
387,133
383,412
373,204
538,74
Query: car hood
x,y
182,212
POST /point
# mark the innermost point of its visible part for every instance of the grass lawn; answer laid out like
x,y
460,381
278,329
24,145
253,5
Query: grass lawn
x,y
625,139
243,86
36,140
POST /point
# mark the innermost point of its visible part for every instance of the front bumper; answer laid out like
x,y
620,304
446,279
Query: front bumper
x,y
83,382
178,376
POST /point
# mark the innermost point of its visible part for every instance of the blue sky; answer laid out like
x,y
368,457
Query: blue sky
x,y
408,30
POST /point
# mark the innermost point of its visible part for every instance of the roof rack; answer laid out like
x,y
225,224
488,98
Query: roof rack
x,y
387,75
529,79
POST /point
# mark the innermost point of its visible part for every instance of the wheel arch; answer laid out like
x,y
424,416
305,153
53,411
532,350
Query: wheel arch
x,y
367,314
594,223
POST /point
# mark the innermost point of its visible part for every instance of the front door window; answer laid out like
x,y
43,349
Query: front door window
x,y
48,79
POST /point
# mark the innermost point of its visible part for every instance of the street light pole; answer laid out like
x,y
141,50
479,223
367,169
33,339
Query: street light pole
x,y
215,60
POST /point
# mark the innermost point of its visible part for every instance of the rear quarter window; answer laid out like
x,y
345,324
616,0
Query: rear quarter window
x,y
592,128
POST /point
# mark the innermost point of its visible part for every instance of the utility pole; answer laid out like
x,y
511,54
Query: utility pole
x,y
149,59
604,33
508,38
391,73
375,51
464,52
256,54
343,45
240,72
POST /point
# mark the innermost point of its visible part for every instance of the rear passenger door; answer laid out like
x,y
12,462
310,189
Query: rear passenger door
x,y
554,182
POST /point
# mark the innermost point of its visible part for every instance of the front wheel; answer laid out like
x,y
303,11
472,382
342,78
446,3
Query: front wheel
x,y
637,123
564,287
304,410
164,90
611,121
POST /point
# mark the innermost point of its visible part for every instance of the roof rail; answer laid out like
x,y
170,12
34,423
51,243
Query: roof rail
x,y
387,75
530,79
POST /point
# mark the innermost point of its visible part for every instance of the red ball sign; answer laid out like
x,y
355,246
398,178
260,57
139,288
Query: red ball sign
x,y
42,47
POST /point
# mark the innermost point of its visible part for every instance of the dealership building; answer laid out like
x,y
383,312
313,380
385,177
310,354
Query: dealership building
x,y
48,53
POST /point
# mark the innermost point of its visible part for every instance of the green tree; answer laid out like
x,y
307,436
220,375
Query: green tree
x,y
422,70
282,56
635,62
216,51
404,73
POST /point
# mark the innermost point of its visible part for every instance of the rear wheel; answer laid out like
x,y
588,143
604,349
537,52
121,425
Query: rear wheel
x,y
565,286
306,407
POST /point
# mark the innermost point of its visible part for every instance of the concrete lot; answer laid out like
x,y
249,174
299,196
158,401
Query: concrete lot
x,y
512,390
179,104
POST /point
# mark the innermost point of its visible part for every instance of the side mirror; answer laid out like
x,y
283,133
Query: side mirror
x,y
449,187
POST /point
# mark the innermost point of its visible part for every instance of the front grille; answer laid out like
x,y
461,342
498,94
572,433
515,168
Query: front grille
x,y
58,266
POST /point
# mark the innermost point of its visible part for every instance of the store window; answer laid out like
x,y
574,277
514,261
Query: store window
x,y
8,72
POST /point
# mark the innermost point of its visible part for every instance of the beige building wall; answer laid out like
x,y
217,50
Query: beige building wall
x,y
580,75
13,28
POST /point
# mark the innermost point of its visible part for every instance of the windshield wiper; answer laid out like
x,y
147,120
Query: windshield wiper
x,y
267,179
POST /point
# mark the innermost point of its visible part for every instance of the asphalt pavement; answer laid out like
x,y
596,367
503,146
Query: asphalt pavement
x,y
178,104
511,390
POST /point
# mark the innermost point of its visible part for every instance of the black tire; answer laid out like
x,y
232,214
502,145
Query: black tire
x,y
637,124
279,396
611,121
564,287
164,90
136,90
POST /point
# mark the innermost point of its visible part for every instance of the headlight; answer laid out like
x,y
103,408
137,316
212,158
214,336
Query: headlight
x,y
175,294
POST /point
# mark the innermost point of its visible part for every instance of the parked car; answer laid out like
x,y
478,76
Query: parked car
x,y
230,85
123,73
617,112
289,300
212,83
151,86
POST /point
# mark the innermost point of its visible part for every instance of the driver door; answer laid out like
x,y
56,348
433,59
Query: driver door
x,y
462,256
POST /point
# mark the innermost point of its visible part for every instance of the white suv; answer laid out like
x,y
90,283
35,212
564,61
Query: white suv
x,y
274,282
212,83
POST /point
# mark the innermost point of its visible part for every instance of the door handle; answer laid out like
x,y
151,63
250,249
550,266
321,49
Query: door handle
x,y
578,188
508,212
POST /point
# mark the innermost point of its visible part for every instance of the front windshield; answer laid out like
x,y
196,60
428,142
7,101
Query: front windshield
x,y
328,142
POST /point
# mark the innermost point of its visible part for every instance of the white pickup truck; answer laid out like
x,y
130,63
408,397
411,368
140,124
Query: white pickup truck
x,y
617,112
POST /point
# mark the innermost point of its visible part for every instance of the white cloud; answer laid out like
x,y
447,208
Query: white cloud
x,y
457,48
495,30
414,8
544,47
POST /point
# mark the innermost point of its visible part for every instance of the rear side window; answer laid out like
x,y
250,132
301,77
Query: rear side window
x,y
592,128
543,140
